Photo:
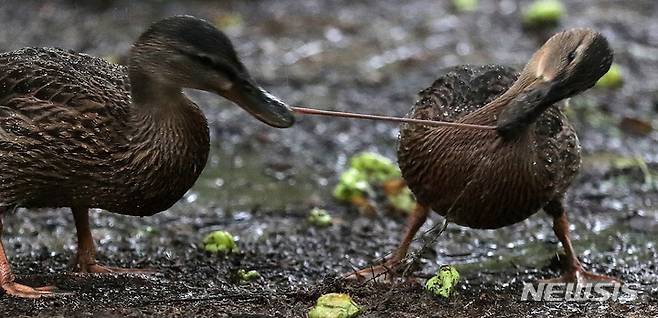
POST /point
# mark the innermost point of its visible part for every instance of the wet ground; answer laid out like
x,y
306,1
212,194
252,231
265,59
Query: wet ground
x,y
368,56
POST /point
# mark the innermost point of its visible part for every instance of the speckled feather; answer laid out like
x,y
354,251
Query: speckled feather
x,y
472,176
69,136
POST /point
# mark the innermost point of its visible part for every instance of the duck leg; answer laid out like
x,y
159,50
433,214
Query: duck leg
x,y
7,278
414,222
85,261
575,271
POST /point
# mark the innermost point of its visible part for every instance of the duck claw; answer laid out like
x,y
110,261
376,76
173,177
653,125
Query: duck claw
x,y
24,291
579,275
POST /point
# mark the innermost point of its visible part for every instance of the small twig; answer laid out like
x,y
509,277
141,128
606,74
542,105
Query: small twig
x,y
312,111
648,177
428,243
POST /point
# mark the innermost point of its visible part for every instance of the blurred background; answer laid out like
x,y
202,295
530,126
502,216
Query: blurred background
x,y
369,57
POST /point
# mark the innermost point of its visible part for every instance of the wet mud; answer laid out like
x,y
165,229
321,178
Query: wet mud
x,y
260,183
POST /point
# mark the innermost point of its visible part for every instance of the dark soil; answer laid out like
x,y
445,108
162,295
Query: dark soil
x,y
260,183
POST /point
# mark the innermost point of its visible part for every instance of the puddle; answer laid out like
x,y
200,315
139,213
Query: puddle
x,y
369,57
239,180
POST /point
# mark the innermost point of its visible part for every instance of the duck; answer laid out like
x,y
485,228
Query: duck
x,y
489,179
79,132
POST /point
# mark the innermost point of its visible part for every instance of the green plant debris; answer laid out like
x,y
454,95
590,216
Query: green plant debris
x,y
369,171
319,217
465,5
621,163
614,161
376,167
646,171
444,282
112,59
149,231
611,79
220,242
543,12
403,200
248,276
334,305
365,169
352,183
227,21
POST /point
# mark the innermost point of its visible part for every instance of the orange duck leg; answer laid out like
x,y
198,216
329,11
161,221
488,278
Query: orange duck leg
x,y
575,271
85,259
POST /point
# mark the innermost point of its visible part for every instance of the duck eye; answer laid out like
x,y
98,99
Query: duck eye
x,y
571,56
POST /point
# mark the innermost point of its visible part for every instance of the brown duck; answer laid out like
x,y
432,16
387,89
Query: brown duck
x,y
76,131
488,179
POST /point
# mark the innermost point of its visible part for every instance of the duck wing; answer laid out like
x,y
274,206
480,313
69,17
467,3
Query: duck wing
x,y
61,120
72,102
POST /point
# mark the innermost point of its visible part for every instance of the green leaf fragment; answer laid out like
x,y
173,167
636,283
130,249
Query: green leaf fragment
x,y
221,242
377,168
543,12
351,183
365,170
149,231
247,276
444,282
465,5
403,200
319,217
334,305
227,21
112,59
612,79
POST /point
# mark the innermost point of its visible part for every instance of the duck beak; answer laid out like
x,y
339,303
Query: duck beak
x,y
528,105
260,104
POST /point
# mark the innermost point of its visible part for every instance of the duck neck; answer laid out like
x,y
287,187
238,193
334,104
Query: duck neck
x,y
146,91
168,141
488,114
524,106
158,109
505,103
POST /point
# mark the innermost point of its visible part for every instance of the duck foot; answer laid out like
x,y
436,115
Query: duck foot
x,y
10,287
576,273
383,273
387,272
23,291
394,266
579,275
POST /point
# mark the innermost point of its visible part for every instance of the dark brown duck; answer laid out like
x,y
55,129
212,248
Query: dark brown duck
x,y
490,179
76,131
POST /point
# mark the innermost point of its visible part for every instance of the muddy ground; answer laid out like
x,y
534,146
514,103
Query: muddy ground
x,y
365,56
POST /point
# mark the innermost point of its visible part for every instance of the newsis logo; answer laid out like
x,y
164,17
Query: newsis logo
x,y
580,292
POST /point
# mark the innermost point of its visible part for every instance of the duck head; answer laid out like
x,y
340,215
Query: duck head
x,y
568,63
187,52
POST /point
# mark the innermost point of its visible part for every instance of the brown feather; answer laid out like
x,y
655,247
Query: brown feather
x,y
459,174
